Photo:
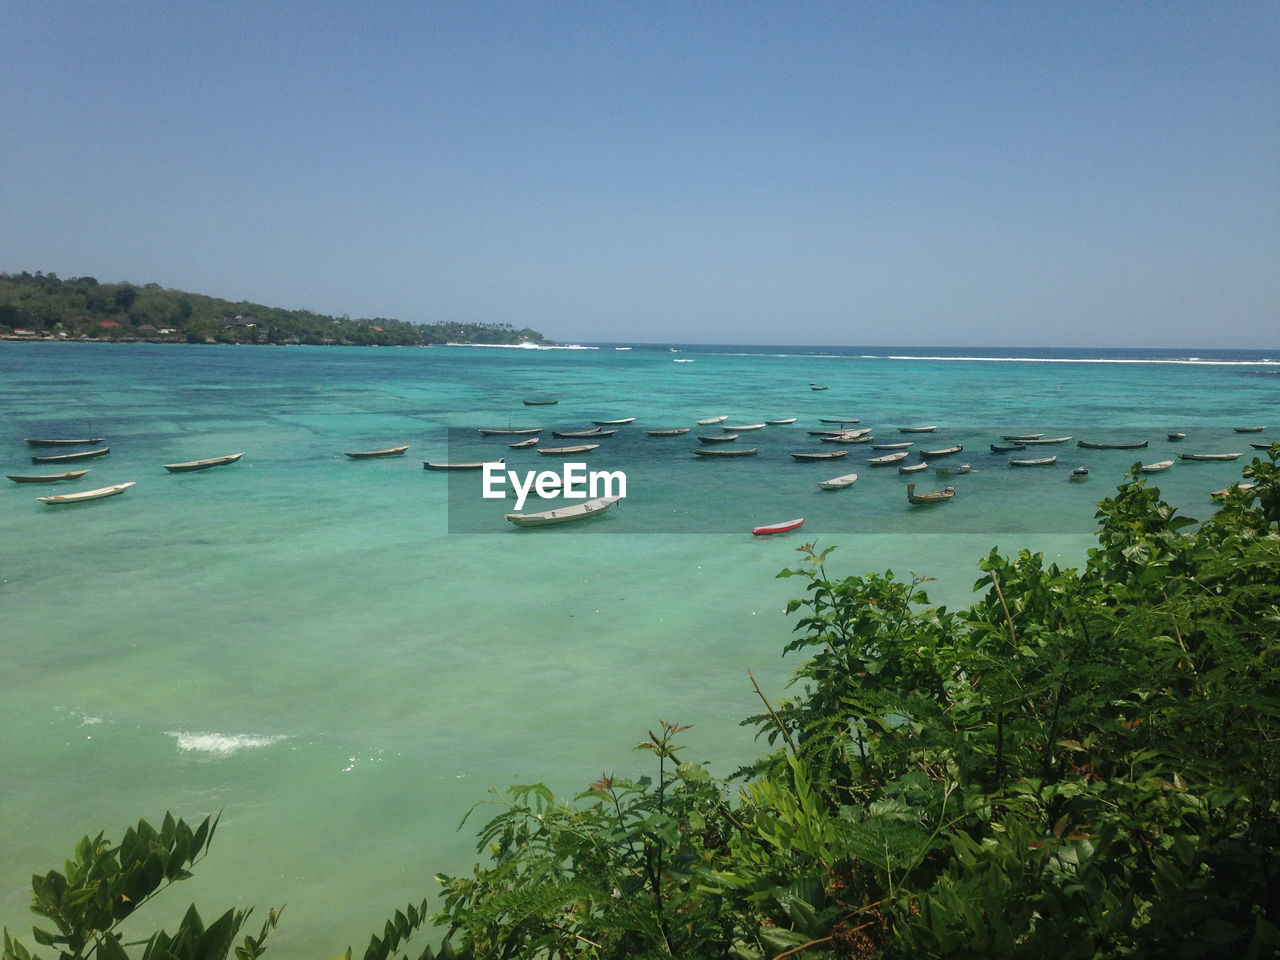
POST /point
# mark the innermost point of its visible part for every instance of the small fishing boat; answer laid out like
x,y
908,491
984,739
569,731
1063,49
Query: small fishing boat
x,y
710,420
718,438
465,465
840,420
71,457
1045,441
1127,445
1036,462
1156,467
782,527
943,451
508,431
1079,474
928,429
726,451
100,494
850,436
889,458
568,451
205,464
746,426
46,477
570,434
1264,446
1236,429
961,468
838,483
540,403
901,445
521,444
781,423
1019,437
1209,456
816,387
41,442
806,457
1175,437
1234,488
614,423
1007,447
913,467
577,511
669,432
937,496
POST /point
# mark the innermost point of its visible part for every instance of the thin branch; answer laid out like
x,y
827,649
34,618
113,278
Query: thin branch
x,y
773,713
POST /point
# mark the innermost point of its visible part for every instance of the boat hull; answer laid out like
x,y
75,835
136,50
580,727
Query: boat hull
x,y
577,511
771,528
72,457
223,461
85,496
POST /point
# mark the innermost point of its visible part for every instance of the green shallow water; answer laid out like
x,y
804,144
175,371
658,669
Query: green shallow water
x,y
298,640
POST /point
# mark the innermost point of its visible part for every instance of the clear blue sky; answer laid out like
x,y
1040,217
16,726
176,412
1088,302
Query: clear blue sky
x,y
951,173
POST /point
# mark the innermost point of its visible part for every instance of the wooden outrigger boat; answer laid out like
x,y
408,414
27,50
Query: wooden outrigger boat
x,y
1045,441
913,467
1264,446
838,483
84,495
943,451
577,511
744,426
41,442
726,451
1248,429
570,451
521,444
781,423
710,420
540,403
928,429
1209,456
840,420
954,471
1036,462
783,527
590,432
1234,488
1007,447
1156,467
937,496
192,465
850,436
46,477
1129,445
669,432
719,438
1019,437
614,423
889,458
900,445
465,465
72,457
508,431
806,457
814,386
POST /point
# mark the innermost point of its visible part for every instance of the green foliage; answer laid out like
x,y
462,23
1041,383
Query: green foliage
x,y
83,308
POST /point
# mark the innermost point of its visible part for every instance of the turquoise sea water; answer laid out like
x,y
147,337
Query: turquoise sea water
x,y
299,641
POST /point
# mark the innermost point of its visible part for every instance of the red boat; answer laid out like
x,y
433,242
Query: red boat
x,y
778,527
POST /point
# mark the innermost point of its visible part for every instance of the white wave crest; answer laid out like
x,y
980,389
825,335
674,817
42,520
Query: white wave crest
x,y
221,744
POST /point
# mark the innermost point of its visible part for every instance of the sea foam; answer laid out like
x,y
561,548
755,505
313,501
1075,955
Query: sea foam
x,y
221,744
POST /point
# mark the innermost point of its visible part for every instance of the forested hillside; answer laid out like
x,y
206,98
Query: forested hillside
x,y
40,305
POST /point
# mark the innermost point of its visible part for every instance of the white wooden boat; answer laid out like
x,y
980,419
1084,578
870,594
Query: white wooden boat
x,y
205,464
942,452
783,527
100,494
1035,462
744,426
1248,429
889,458
806,457
1045,441
569,451
928,429
521,444
726,451
1020,437
849,436
46,477
936,496
900,445
1234,488
589,432
1209,456
1175,437
1156,467
72,457
913,467
576,511
669,432
838,483
781,423
1124,445
839,420
614,423
463,465
711,420
508,431
719,438
43,442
